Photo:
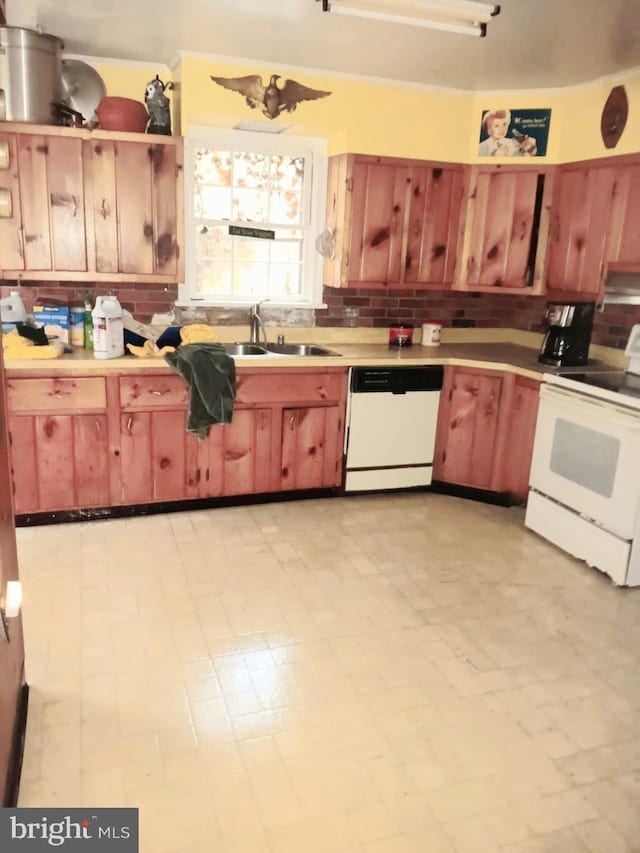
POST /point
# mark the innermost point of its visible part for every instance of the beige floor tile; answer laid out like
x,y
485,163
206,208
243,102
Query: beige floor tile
x,y
376,674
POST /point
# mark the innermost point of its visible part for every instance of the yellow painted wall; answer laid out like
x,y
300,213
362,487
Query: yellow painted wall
x,y
358,116
129,81
583,105
393,120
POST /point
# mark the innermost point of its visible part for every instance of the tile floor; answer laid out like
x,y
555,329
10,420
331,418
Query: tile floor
x,y
386,674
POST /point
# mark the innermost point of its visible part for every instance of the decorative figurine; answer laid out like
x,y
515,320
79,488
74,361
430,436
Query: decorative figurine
x,y
271,99
158,106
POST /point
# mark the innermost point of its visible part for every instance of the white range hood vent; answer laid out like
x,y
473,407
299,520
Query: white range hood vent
x,y
622,288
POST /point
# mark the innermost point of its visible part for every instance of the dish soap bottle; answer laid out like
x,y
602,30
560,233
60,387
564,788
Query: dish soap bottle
x,y
108,328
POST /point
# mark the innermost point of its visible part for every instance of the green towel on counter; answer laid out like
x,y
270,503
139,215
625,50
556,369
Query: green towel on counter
x,y
211,376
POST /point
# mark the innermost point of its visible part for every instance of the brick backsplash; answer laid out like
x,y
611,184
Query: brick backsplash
x,y
365,307
141,298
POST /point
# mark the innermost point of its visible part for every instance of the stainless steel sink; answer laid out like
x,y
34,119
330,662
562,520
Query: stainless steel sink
x,y
299,349
244,349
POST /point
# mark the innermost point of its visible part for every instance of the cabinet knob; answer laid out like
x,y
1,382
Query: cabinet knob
x,y
4,154
3,105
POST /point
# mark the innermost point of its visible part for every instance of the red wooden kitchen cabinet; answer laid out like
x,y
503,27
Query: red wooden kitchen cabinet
x,y
503,229
623,244
468,424
82,442
311,447
579,229
58,430
90,205
44,184
485,430
395,221
520,426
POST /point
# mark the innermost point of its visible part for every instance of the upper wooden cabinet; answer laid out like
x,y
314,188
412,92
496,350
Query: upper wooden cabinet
x,y
623,245
93,206
503,228
395,221
579,229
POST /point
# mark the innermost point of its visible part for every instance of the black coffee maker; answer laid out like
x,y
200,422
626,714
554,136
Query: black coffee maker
x,y
569,325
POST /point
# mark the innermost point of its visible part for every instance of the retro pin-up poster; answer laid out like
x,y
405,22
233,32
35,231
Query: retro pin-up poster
x,y
514,133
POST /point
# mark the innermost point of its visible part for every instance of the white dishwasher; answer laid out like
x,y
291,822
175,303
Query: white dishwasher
x,y
391,426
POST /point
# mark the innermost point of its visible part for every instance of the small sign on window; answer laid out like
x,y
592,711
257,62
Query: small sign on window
x,y
261,233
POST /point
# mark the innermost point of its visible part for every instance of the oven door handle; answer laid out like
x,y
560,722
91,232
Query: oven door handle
x,y
607,409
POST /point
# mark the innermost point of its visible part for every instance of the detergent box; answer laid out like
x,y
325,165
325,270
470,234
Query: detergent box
x,y
54,319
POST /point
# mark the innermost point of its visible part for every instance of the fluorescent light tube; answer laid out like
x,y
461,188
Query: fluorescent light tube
x,y
466,17
462,29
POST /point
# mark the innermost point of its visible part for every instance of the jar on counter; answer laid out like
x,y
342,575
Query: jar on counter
x,y
400,335
431,334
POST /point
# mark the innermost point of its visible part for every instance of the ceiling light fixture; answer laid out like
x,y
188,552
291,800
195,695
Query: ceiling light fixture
x,y
465,17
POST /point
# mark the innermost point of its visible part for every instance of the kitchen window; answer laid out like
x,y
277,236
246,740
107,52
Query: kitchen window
x,y
255,204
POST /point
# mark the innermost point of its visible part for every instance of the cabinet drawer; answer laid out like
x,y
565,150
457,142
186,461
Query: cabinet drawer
x,y
46,395
290,387
153,392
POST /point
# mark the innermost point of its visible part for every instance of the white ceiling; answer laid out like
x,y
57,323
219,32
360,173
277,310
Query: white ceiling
x,y
531,44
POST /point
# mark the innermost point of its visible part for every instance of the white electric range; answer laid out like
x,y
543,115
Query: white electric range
x,y
585,471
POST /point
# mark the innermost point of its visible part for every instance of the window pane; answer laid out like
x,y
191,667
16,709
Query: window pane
x,y
213,241
250,170
286,251
284,280
212,202
250,205
213,277
247,249
287,173
213,167
286,208
250,279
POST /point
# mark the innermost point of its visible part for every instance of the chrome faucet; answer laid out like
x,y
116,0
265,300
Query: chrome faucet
x,y
256,324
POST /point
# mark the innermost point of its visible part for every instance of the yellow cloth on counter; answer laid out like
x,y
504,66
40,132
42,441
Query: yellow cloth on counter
x,y
149,350
15,346
198,333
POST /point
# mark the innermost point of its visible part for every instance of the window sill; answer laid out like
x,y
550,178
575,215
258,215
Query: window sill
x,y
202,303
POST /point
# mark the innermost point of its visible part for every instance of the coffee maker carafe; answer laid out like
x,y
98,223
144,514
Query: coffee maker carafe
x,y
566,343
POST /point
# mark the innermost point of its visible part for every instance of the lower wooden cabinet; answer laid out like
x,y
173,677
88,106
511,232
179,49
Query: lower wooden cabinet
x,y
59,462
485,432
80,443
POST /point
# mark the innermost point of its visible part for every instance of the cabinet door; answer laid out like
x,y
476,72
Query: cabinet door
x,y
60,462
579,227
504,209
378,205
158,458
468,428
434,211
136,207
520,426
11,240
238,458
311,447
623,249
52,202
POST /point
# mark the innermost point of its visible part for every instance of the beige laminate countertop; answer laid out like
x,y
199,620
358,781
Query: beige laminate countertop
x,y
509,357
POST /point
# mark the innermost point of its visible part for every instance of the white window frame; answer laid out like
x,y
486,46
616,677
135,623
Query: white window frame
x,y
314,151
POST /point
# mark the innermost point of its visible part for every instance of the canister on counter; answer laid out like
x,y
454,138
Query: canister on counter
x,y
400,335
431,334
76,325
